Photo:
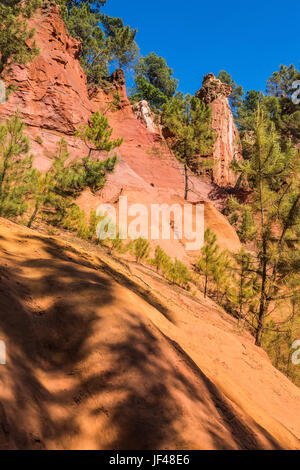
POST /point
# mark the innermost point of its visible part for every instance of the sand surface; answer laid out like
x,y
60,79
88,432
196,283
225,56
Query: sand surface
x,y
101,355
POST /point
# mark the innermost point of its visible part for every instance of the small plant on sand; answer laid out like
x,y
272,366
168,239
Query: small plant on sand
x,y
116,244
141,249
208,260
160,260
178,273
39,140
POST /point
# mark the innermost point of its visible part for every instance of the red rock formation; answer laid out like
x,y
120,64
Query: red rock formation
x,y
54,99
51,91
142,111
227,145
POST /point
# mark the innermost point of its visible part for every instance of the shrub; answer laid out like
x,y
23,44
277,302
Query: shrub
x,y
141,249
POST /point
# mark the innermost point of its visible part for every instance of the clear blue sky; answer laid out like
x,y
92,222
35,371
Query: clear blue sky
x,y
247,39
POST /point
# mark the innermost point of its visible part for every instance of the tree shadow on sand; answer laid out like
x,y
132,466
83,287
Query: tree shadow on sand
x,y
155,384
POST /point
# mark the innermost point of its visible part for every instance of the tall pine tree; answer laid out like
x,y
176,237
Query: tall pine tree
x,y
189,120
15,168
273,174
209,258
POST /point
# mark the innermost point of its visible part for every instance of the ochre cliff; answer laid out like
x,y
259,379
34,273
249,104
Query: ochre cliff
x,y
54,99
103,353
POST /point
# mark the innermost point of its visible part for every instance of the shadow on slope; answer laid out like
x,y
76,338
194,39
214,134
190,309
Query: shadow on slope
x,y
89,362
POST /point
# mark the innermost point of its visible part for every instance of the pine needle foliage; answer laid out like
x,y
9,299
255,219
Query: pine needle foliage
x,y
273,174
154,81
120,41
243,294
97,135
15,33
56,190
15,168
209,258
161,260
189,121
177,273
141,249
105,40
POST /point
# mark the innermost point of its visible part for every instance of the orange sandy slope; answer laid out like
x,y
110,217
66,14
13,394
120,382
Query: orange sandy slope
x,y
101,356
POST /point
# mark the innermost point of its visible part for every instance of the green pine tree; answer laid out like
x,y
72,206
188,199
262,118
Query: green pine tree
x,y
141,249
56,190
189,120
236,96
273,174
105,40
277,105
15,168
93,222
280,83
160,260
179,273
15,33
69,4
120,41
244,293
220,275
83,21
144,90
97,135
210,254
153,81
242,219
116,244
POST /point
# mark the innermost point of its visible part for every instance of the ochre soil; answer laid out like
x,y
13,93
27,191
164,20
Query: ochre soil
x,y
104,354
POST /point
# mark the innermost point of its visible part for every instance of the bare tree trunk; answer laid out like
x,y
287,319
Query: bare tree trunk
x,y
262,303
205,286
186,182
34,214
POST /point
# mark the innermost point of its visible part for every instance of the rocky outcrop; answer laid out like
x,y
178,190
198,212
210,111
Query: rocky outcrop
x,y
213,88
143,112
227,146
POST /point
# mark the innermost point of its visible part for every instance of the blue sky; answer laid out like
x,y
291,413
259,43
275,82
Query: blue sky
x,y
247,39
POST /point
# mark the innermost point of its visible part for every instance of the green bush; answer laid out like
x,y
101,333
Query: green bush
x,y
141,249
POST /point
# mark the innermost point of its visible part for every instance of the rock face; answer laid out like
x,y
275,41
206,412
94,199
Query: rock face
x,y
54,99
227,146
213,88
52,94
143,112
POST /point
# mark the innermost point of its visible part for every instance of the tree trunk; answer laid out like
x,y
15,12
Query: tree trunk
x,y
205,287
33,216
186,182
259,331
3,174
262,305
